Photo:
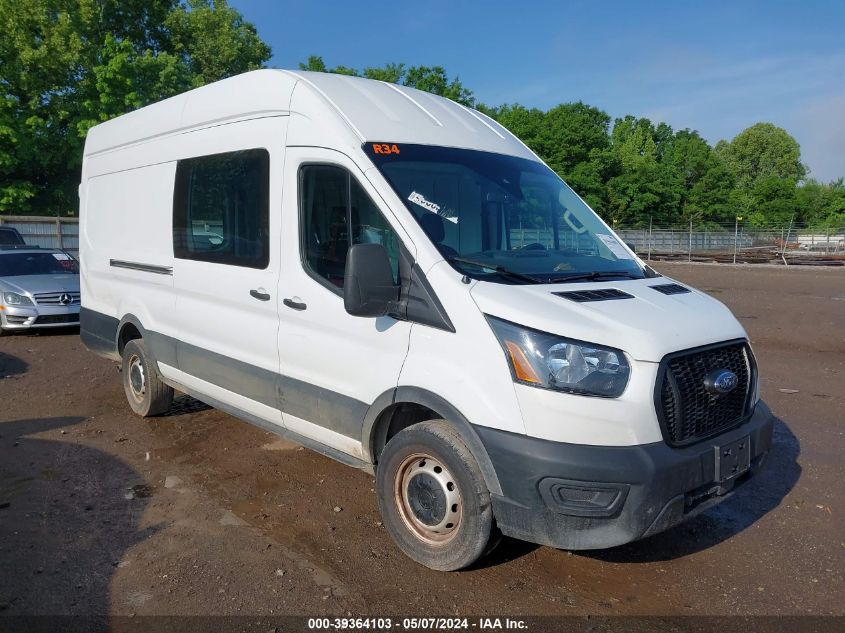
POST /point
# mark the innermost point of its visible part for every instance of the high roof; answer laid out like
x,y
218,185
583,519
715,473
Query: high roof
x,y
369,110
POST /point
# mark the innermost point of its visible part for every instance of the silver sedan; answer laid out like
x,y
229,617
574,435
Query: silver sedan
x,y
39,288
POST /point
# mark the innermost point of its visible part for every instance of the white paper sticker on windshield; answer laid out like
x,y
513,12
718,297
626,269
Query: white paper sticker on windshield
x,y
614,246
428,205
61,257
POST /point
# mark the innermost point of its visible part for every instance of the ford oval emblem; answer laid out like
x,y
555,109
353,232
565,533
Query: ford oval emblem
x,y
720,381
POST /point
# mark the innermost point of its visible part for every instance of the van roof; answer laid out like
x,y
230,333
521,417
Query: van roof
x,y
370,110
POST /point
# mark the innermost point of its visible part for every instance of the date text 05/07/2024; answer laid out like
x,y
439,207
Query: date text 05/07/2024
x,y
417,624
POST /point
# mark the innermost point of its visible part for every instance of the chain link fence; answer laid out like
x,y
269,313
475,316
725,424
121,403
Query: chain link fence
x,y
722,243
737,243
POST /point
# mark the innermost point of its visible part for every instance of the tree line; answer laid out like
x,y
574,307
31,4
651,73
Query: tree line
x,y
66,65
634,172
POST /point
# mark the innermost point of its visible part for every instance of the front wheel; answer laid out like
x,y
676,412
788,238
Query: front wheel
x,y
145,391
433,498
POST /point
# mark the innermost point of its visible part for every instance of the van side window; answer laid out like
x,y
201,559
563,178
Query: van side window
x,y
221,208
336,212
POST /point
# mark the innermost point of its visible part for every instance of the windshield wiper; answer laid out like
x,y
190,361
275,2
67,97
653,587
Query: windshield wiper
x,y
499,269
595,275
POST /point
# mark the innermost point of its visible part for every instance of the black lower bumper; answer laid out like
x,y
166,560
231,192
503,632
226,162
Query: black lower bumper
x,y
591,497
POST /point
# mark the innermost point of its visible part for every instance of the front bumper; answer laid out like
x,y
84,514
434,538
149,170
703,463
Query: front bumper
x,y
580,497
14,318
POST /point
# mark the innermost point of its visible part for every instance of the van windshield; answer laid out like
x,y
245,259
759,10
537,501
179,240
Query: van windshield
x,y
502,218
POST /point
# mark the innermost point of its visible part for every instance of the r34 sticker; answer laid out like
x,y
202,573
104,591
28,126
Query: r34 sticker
x,y
385,148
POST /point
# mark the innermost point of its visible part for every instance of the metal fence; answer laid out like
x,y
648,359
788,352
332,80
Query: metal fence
x,y
736,243
46,232
721,243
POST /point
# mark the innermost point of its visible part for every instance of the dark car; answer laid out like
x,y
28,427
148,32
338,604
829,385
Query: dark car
x,y
10,236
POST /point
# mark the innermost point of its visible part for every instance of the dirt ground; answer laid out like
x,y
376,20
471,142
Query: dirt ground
x,y
199,513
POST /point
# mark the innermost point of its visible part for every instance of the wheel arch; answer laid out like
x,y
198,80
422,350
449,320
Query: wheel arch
x,y
162,348
129,329
400,407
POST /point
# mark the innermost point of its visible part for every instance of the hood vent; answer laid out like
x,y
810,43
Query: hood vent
x,y
602,294
671,289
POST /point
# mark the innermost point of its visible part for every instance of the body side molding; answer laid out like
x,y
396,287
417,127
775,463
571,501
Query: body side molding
x,y
145,268
318,447
99,332
334,411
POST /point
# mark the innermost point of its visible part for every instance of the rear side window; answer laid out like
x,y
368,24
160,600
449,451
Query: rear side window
x,y
10,236
221,208
336,212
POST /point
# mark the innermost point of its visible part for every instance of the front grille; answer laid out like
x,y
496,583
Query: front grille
x,y
688,412
55,298
51,319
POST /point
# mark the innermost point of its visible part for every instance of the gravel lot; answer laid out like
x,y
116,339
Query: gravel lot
x,y
199,513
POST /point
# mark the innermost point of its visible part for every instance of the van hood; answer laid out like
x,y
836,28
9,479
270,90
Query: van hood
x,y
647,326
40,283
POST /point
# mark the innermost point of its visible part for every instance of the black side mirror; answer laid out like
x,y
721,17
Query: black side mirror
x,y
368,288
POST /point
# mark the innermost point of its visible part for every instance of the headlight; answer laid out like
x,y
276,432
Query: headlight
x,y
553,362
14,299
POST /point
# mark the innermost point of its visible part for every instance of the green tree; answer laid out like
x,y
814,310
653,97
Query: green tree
x,y
572,138
66,65
527,124
315,64
391,73
214,40
642,188
572,133
701,179
432,79
773,201
124,79
435,80
766,163
762,151
822,205
835,211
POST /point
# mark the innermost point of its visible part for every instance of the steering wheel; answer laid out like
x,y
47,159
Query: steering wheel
x,y
534,246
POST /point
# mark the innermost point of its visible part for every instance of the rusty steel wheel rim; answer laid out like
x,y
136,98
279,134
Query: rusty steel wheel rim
x,y
137,378
428,498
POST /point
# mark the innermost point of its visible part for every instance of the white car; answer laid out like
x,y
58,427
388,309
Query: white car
x,y
39,288
404,286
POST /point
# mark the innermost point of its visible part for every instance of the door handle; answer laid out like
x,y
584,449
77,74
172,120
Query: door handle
x,y
260,294
294,303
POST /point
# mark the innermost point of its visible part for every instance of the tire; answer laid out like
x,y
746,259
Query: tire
x,y
433,498
146,393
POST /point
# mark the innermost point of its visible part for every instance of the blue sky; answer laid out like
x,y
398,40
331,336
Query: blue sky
x,y
716,67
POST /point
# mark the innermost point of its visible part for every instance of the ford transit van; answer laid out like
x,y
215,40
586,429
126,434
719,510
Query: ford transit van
x,y
396,281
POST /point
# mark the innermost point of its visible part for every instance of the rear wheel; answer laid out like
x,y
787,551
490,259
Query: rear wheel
x,y
145,391
433,498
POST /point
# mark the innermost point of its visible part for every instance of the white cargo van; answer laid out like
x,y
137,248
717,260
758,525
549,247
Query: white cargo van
x,y
396,281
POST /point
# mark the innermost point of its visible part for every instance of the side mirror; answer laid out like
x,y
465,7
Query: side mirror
x,y
368,288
